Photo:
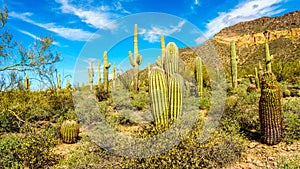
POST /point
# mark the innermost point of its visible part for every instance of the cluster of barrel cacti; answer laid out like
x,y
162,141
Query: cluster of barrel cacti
x,y
69,131
166,89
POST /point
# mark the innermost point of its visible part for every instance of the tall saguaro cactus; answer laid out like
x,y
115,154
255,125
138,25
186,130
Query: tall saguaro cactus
x,y
136,59
175,96
199,76
91,75
106,66
268,58
27,83
58,81
233,64
270,110
162,44
99,74
171,59
114,75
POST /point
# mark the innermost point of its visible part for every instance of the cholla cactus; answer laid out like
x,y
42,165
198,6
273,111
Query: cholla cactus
x,y
69,131
270,110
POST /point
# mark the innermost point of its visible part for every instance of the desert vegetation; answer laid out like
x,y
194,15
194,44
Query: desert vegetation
x,y
55,127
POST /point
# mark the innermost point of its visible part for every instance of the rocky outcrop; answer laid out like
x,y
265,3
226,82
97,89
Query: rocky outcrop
x,y
261,30
259,38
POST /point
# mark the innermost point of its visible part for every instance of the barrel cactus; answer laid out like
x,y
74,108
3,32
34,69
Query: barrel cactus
x,y
270,110
69,131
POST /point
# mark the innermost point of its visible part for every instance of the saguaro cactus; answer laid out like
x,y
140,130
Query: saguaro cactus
x,y
268,58
91,75
199,76
106,66
58,81
27,83
69,131
99,73
270,110
171,59
233,65
256,78
175,96
136,60
159,97
114,75
162,44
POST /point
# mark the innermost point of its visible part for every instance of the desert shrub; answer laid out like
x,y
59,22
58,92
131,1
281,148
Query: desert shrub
x,y
140,100
287,71
32,107
219,150
101,94
291,120
89,155
31,149
243,108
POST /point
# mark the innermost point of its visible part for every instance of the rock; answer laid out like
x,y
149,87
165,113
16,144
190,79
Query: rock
x,y
253,144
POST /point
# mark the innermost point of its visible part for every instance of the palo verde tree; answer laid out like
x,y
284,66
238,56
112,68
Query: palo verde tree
x,y
16,61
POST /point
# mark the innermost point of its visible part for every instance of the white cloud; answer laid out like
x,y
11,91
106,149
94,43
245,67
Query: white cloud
x,y
245,11
36,37
100,17
153,35
68,33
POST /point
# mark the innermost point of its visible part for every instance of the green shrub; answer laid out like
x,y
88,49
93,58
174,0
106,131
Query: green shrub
x,y
31,149
140,100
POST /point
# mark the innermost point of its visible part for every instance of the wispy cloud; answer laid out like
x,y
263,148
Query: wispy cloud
x,y
153,35
245,11
98,17
36,37
68,33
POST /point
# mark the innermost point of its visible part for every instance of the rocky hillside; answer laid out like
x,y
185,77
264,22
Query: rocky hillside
x,y
283,35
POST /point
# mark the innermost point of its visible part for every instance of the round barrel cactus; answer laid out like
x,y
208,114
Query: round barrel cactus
x,y
270,110
69,131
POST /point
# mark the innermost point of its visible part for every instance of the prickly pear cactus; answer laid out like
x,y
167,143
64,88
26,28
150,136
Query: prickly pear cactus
x,y
69,131
270,110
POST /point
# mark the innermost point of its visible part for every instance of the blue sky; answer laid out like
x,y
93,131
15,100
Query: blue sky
x,y
82,30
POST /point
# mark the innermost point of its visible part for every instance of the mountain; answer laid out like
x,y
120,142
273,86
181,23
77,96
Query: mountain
x,y
281,33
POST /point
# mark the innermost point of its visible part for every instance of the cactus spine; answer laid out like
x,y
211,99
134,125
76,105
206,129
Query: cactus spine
x,y
58,81
91,75
136,60
233,65
159,96
27,83
106,66
99,74
199,76
114,75
268,58
166,88
270,111
69,131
